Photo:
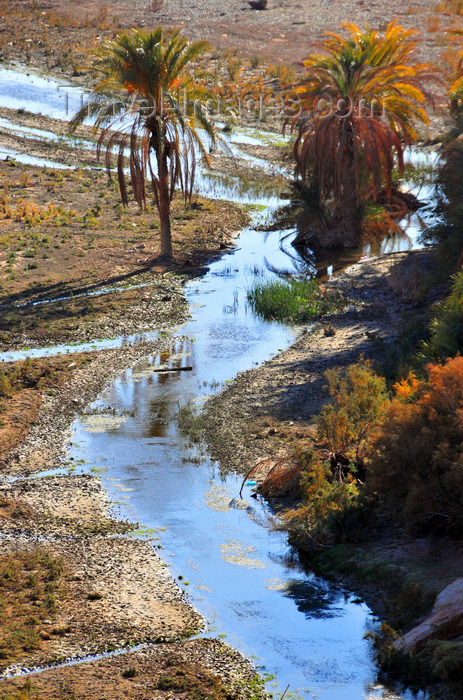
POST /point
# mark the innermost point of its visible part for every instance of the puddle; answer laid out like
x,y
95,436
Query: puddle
x,y
43,135
20,89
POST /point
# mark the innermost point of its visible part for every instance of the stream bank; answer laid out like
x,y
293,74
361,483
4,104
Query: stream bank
x,y
114,591
266,408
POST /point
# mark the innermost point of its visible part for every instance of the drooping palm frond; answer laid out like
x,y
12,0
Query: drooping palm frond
x,y
364,146
455,92
275,477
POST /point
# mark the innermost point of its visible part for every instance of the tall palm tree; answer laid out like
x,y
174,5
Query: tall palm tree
x,y
354,112
148,103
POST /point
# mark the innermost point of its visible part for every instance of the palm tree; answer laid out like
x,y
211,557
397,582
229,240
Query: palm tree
x,y
354,112
149,104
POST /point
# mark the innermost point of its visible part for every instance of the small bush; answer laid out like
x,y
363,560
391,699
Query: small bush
x,y
130,672
446,660
447,235
328,509
332,471
446,327
416,453
357,396
165,683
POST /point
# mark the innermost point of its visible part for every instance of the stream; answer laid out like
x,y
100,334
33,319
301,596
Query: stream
x,y
298,629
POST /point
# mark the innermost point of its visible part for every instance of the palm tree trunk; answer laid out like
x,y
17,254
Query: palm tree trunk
x,y
164,217
347,215
164,207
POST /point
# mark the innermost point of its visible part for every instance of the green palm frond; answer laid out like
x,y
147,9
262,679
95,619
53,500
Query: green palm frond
x,y
151,112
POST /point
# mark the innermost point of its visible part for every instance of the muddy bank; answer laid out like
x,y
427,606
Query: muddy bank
x,y
45,445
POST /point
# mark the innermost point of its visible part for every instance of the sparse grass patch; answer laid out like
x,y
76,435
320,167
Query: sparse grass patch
x,y
29,582
198,683
22,385
130,672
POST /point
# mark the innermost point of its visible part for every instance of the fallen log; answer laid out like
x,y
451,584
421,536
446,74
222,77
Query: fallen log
x,y
188,368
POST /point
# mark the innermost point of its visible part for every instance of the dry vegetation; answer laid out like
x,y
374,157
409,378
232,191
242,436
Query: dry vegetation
x,y
22,387
31,589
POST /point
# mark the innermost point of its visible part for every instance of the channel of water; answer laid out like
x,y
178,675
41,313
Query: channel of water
x,y
238,572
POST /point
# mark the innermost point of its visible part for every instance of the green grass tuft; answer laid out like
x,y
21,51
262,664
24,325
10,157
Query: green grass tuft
x,y
297,300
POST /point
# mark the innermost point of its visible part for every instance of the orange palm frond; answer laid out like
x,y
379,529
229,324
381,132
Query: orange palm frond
x,y
356,109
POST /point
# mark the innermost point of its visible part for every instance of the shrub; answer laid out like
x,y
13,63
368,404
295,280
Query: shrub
x,y
416,453
446,327
328,509
130,672
332,502
357,395
446,660
447,235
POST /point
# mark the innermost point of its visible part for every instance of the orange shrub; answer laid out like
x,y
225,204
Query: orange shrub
x,y
416,451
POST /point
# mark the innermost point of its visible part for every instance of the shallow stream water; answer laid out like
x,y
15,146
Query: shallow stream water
x,y
299,629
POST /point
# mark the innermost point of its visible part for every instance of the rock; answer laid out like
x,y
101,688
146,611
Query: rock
x,y
445,621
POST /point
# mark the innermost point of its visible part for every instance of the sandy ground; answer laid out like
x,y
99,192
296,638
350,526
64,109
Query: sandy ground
x,y
200,669
283,32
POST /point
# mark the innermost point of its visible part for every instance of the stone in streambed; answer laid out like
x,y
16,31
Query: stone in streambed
x,y
445,621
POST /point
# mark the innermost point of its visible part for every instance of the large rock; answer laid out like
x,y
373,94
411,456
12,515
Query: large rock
x,y
445,621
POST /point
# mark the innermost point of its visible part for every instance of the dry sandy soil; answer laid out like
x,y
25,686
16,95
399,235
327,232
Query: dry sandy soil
x,y
283,32
242,39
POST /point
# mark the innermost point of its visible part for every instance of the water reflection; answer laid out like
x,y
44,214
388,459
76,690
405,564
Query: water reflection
x,y
315,601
